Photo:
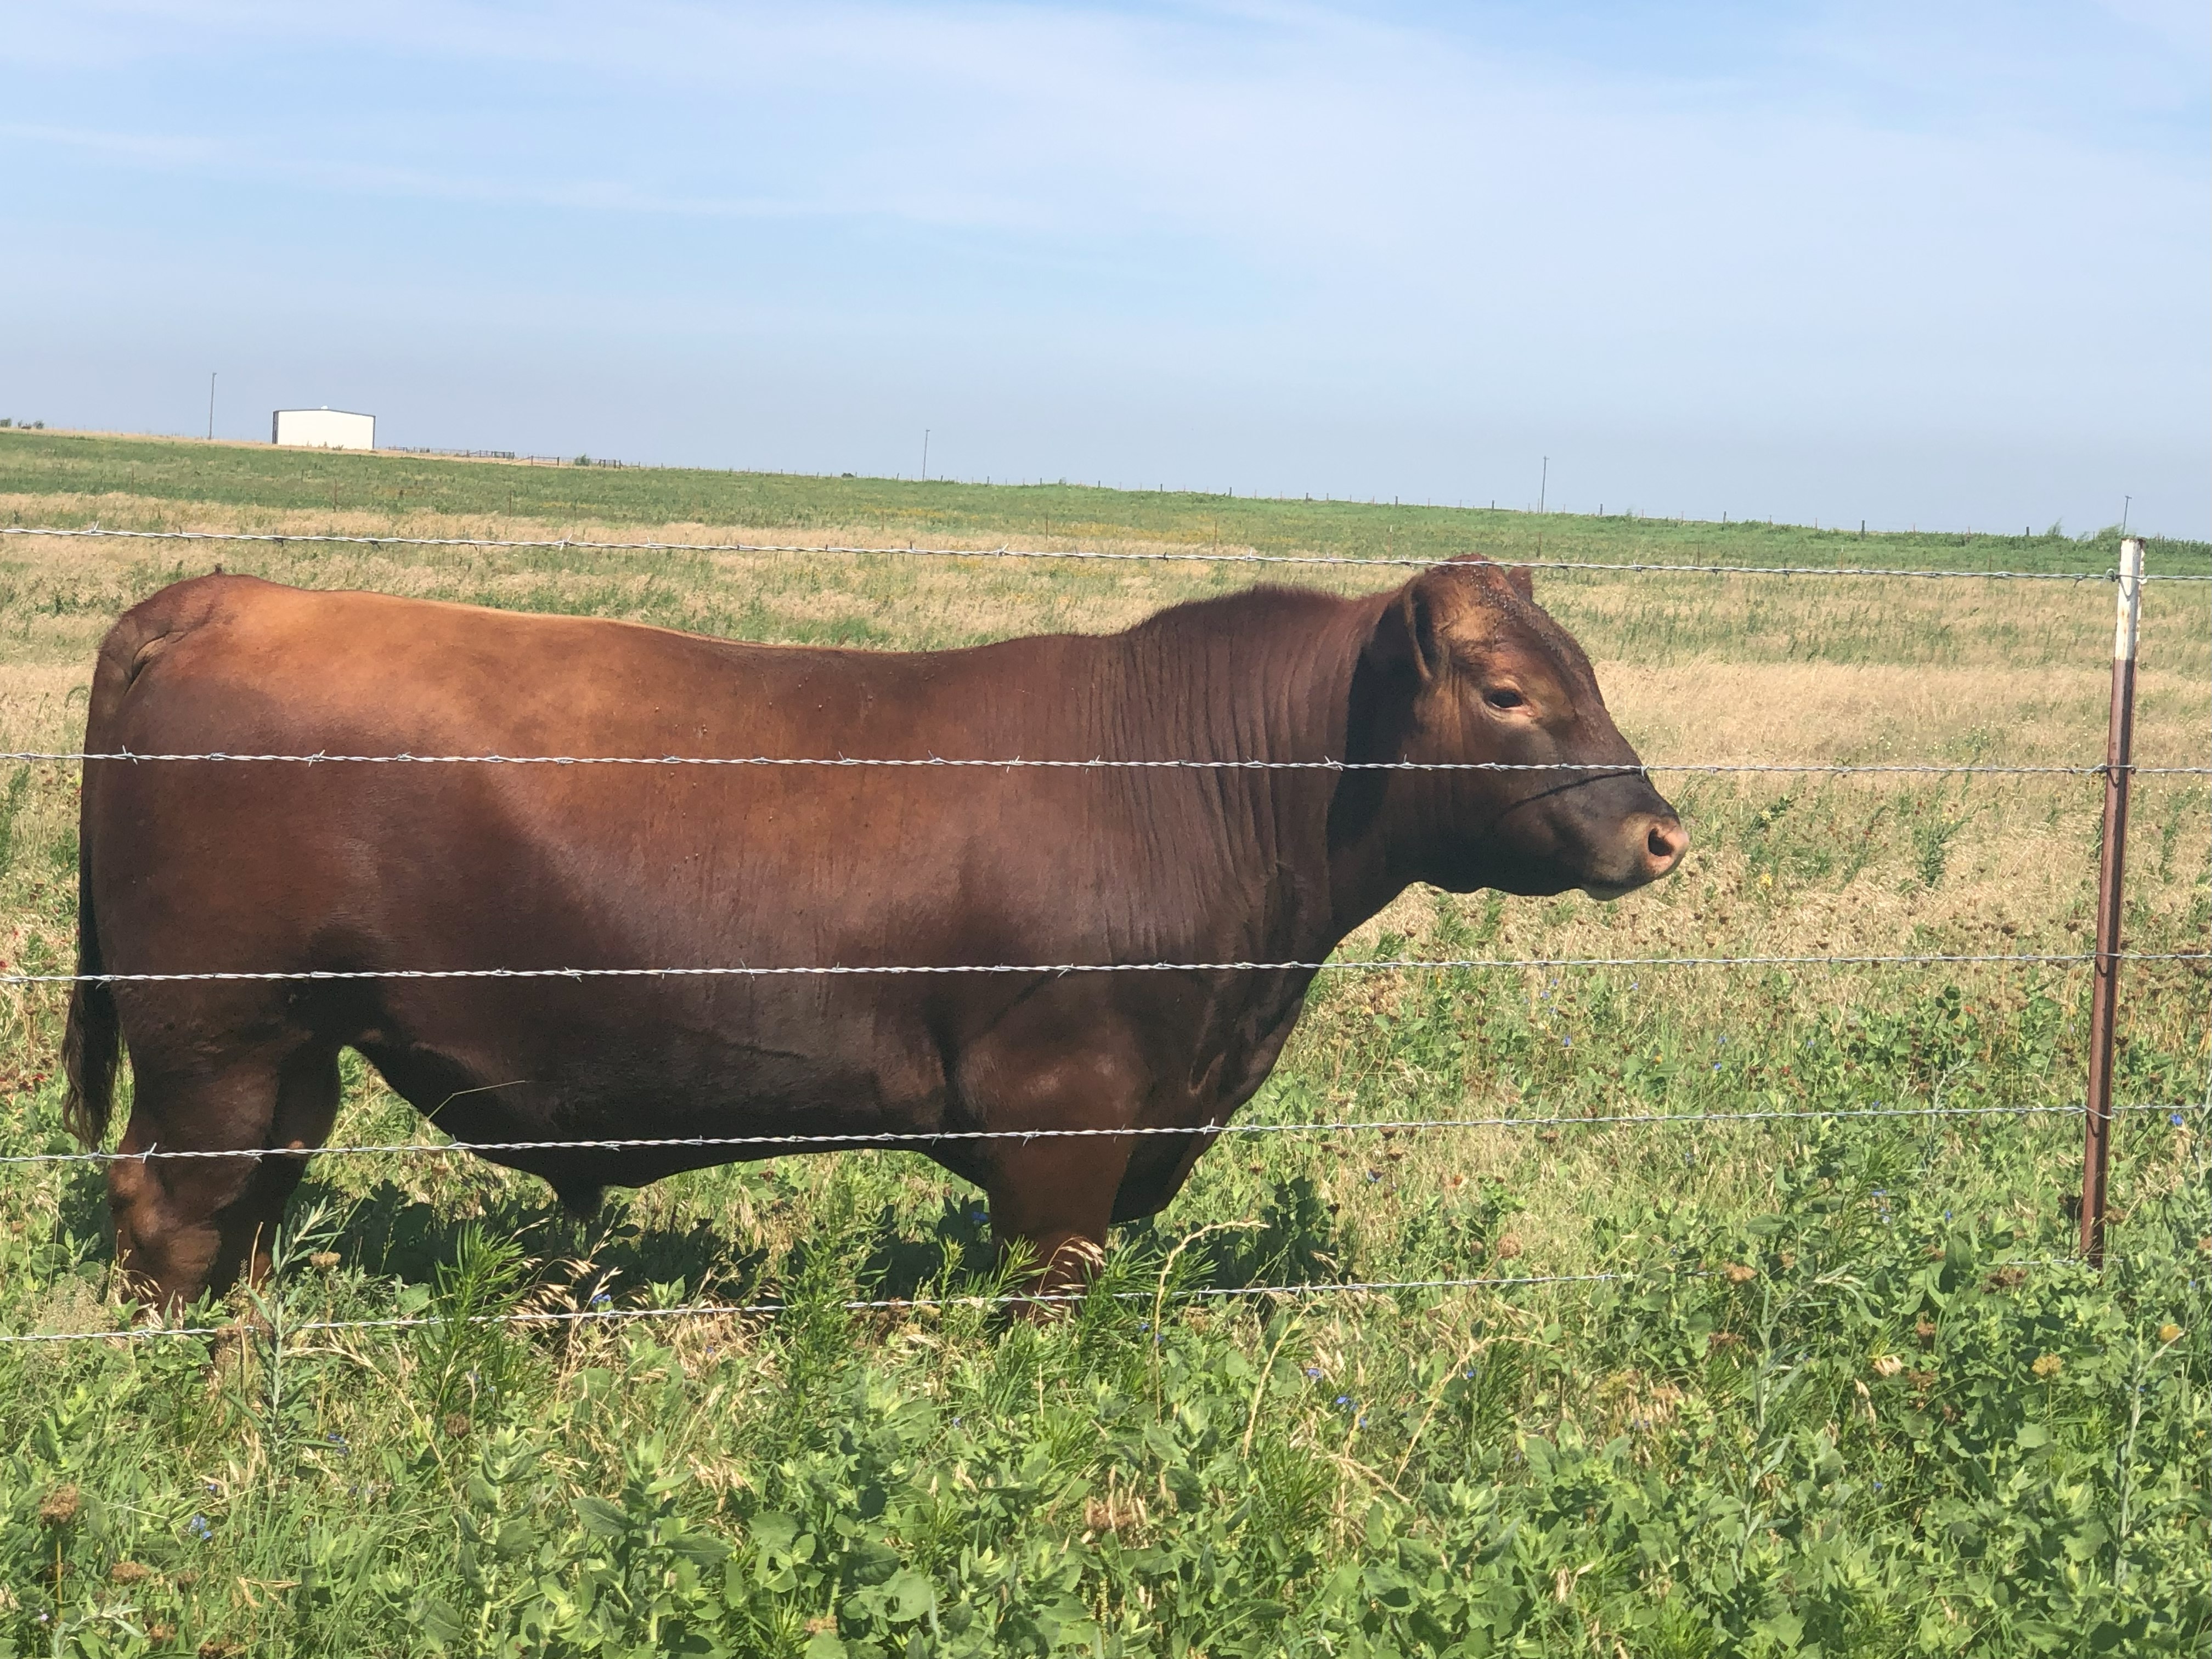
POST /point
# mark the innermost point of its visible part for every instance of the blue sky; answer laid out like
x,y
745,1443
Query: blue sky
x,y
1916,264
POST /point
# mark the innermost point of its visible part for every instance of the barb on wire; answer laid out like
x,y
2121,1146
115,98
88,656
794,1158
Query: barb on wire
x,y
862,1140
1378,965
1792,768
1178,557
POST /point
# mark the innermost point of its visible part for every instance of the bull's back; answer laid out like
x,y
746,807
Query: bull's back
x,y
235,665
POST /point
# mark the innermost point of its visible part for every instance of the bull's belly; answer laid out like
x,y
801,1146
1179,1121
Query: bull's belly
x,y
556,1077
498,1063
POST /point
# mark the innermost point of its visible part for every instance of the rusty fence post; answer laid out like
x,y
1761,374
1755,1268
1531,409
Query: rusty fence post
x,y
2120,742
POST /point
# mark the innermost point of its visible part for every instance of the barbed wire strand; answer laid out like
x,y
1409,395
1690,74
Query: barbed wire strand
x,y
590,1315
1379,965
922,1137
1792,768
582,544
883,1305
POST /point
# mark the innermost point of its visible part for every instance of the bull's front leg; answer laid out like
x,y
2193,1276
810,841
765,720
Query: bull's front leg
x,y
1053,1201
1053,1196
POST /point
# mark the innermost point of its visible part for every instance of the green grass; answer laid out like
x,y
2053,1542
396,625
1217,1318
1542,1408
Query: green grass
x,y
1847,1392
179,475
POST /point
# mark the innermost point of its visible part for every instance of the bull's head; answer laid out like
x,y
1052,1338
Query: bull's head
x,y
1462,665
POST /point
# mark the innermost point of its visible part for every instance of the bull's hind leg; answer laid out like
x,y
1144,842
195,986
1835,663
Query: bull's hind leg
x,y
188,1224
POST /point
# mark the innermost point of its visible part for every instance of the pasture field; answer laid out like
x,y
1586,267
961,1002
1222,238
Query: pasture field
x,y
1841,1390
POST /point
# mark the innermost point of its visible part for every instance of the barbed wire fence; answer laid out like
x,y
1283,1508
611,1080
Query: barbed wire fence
x,y
909,550
2096,1109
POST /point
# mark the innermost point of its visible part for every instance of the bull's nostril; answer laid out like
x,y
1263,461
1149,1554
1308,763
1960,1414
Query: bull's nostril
x,y
1665,842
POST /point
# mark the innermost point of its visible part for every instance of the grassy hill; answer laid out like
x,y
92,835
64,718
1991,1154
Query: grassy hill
x,y
139,481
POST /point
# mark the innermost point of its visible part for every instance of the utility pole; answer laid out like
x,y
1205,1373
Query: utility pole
x,y
2127,503
1544,484
211,406
925,454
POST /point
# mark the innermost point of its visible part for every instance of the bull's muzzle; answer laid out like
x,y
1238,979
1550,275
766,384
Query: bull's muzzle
x,y
1651,844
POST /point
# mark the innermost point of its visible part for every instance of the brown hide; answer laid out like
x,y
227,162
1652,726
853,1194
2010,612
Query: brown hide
x,y
193,866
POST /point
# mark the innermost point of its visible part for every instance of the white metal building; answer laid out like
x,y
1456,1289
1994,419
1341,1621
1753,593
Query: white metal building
x,y
322,428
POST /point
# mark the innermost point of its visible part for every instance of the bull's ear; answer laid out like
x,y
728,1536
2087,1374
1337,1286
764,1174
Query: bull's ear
x,y
1522,581
1405,638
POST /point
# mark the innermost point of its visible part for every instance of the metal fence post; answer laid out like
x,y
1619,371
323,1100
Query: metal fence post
x,y
2096,1149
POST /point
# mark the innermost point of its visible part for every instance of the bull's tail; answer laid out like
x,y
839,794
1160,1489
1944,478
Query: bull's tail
x,y
92,1042
93,1038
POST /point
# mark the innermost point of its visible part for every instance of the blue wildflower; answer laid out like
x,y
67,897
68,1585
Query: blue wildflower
x,y
200,1529
1313,1370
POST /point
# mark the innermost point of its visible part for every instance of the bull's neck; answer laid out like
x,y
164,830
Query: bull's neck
x,y
1270,683
1377,818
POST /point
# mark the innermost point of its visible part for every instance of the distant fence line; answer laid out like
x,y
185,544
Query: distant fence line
x,y
529,460
910,551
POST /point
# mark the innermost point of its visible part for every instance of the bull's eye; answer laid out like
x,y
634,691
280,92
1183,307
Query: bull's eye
x,y
1504,696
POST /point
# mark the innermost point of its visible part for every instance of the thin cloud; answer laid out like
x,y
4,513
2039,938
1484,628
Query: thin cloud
x,y
1842,223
